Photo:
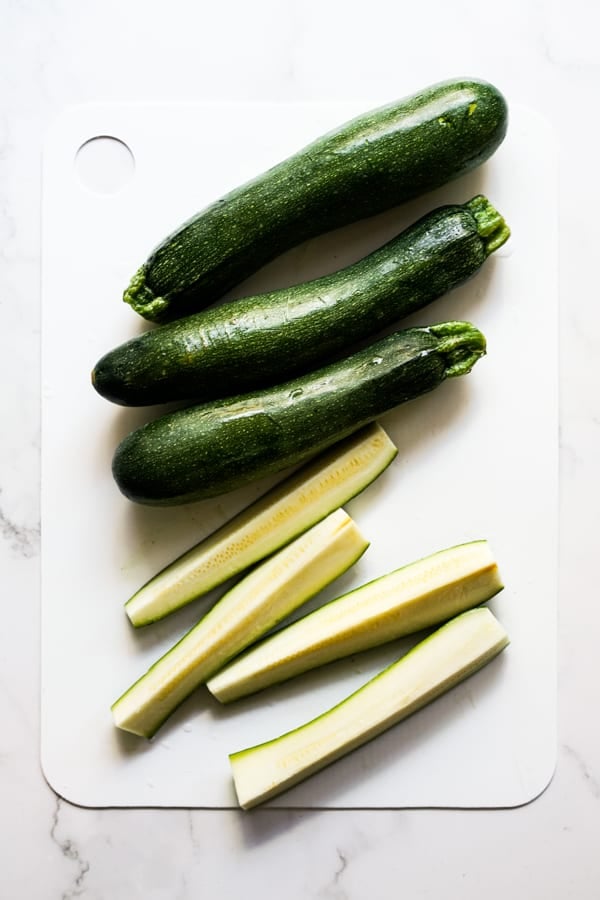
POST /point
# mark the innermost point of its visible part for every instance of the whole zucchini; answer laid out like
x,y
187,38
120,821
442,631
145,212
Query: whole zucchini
x,y
374,162
213,448
269,338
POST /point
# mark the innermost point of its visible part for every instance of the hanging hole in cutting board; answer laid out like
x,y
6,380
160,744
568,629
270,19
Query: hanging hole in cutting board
x,y
104,164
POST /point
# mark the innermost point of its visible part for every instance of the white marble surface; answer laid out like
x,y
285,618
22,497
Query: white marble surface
x,y
56,53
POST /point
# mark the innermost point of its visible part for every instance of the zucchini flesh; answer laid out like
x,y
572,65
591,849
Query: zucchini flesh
x,y
268,338
258,602
378,160
284,512
452,653
206,450
402,602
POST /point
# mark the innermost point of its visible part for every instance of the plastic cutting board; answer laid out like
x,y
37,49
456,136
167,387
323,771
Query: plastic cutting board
x,y
477,458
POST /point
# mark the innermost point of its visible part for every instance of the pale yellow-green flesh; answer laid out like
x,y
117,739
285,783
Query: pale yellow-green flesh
x,y
253,606
284,512
407,600
442,660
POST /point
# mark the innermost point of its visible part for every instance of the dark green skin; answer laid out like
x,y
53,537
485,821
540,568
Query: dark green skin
x,y
374,162
262,340
210,449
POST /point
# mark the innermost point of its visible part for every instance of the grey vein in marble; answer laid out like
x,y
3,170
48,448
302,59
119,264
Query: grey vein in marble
x,y
592,783
24,540
343,865
69,850
334,889
196,847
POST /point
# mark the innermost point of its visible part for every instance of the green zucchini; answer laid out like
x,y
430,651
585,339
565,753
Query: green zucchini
x,y
448,656
292,506
407,600
271,591
207,450
266,339
376,161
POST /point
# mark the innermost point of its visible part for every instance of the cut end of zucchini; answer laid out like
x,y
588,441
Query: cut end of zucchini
x,y
124,721
142,298
448,656
491,225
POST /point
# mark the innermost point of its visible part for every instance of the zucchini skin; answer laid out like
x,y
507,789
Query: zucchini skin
x,y
207,450
372,163
262,340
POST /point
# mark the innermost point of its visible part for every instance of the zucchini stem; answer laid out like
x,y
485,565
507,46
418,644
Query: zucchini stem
x,y
142,298
461,343
491,226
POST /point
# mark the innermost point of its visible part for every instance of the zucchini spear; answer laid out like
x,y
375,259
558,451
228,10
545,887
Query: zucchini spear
x,y
402,602
254,605
284,512
442,660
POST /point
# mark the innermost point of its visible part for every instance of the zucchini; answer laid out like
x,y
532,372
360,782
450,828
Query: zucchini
x,y
402,602
448,656
299,501
376,161
265,339
254,605
209,449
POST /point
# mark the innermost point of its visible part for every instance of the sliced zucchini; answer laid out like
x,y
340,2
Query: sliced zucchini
x,y
407,600
452,653
254,605
287,510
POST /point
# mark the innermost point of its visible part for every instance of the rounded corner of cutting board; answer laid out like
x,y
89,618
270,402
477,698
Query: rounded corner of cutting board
x,y
54,778
538,786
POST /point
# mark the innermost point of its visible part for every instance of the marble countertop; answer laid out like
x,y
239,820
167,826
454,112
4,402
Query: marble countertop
x,y
58,53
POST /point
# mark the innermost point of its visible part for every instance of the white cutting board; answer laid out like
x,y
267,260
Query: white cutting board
x,y
478,458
